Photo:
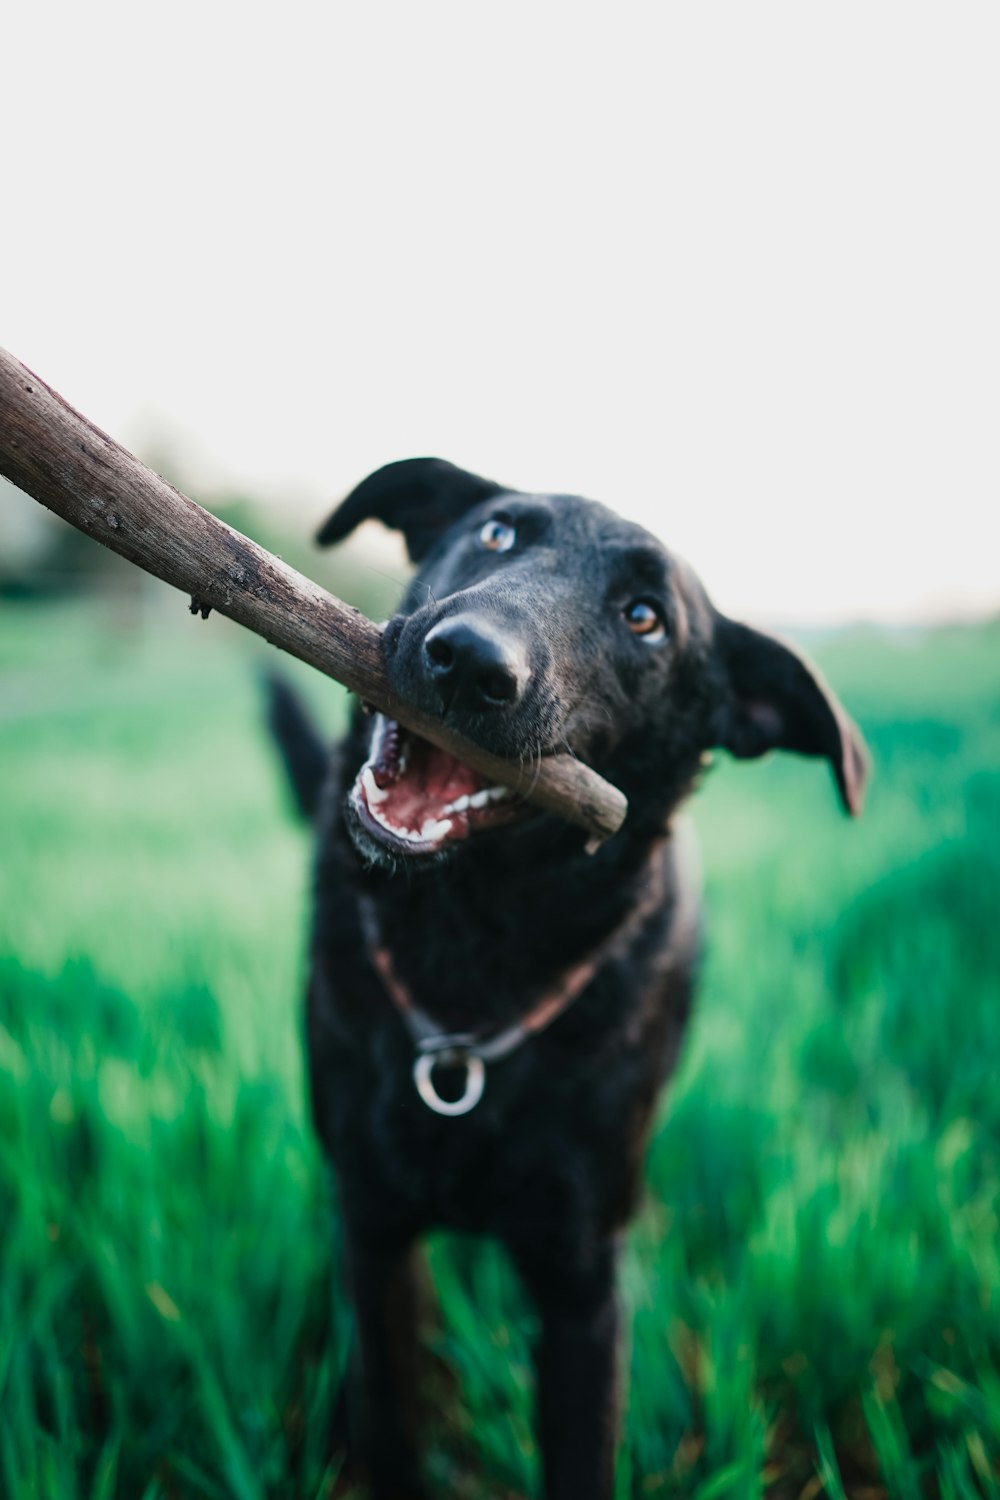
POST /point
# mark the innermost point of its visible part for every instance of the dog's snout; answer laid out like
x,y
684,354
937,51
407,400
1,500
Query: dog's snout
x,y
472,666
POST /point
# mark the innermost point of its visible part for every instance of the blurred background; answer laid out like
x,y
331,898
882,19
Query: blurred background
x,y
731,270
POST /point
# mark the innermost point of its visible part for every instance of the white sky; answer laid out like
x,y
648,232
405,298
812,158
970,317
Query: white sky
x,y
733,268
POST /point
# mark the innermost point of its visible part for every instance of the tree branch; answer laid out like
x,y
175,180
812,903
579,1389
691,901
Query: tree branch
x,y
66,463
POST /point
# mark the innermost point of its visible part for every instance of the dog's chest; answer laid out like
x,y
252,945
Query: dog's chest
x,y
545,1141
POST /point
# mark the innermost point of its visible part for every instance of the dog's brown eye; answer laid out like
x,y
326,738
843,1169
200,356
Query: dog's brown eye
x,y
643,619
498,535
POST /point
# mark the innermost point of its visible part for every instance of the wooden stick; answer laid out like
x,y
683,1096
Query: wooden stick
x,y
69,465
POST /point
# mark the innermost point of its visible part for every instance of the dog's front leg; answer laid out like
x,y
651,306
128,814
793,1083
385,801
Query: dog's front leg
x,y
383,1283
577,1372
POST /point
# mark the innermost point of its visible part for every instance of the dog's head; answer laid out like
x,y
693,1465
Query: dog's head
x,y
545,623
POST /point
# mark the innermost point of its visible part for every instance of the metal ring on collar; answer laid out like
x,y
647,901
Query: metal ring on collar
x,y
475,1080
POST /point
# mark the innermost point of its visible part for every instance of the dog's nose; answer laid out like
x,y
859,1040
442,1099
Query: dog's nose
x,y
473,667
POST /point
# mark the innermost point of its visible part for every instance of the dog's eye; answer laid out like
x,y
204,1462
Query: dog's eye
x,y
498,535
644,619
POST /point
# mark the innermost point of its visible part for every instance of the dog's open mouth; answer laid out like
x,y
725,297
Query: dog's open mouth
x,y
416,799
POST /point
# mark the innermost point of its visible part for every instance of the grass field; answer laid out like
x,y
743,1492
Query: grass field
x,y
814,1281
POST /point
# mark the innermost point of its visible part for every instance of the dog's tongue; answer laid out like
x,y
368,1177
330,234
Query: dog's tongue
x,y
426,783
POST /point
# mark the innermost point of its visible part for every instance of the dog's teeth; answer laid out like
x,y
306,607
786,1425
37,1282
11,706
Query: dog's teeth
x,y
476,799
380,727
487,795
373,791
408,834
435,828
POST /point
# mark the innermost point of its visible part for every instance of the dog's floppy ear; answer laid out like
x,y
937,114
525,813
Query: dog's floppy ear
x,y
773,700
420,497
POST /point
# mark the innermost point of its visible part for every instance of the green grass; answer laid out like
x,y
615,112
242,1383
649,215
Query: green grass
x,y
814,1280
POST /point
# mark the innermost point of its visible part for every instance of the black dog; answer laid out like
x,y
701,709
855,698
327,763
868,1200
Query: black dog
x,y
492,1011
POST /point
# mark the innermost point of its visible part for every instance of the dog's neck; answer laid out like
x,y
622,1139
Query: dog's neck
x,y
466,936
